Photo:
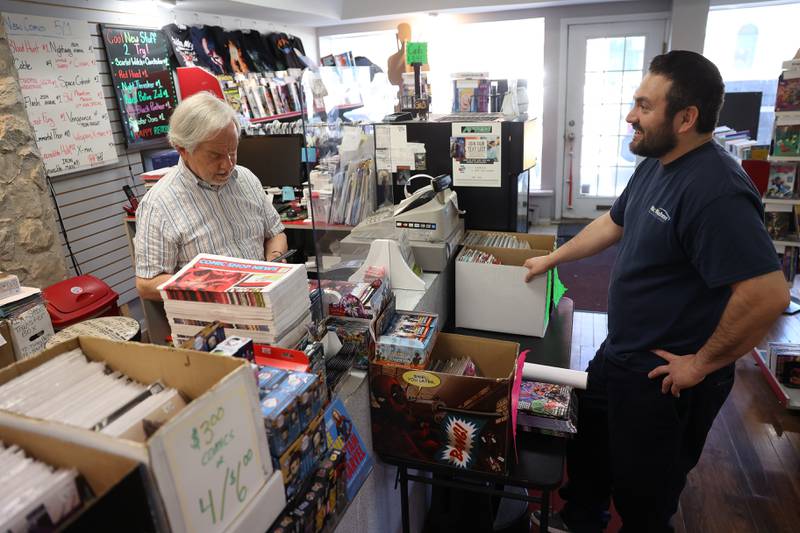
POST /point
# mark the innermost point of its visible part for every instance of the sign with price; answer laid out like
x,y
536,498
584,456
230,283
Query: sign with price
x,y
215,456
138,59
61,89
416,53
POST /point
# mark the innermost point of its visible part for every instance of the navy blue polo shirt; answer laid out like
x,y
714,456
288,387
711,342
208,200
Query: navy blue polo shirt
x,y
691,229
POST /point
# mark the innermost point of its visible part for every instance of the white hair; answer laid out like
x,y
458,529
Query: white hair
x,y
197,119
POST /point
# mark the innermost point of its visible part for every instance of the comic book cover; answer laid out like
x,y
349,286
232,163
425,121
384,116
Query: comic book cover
x,y
544,399
781,180
788,95
787,141
342,435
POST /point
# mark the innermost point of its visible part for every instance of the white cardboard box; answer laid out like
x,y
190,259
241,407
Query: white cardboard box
x,y
210,461
30,332
496,298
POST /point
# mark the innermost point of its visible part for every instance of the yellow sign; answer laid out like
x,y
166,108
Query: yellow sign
x,y
421,379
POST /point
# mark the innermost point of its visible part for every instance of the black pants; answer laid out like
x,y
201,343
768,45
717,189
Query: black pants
x,y
636,444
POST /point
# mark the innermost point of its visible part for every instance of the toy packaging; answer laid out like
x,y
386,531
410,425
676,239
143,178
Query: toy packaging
x,y
342,435
302,456
407,340
281,419
354,299
236,347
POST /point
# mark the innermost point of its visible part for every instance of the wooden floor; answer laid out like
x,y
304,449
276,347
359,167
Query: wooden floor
x,y
748,479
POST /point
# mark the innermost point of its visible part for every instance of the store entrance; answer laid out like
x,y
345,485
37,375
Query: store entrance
x,y
605,63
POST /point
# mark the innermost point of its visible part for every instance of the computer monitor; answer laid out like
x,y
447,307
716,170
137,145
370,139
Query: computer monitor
x,y
274,159
741,112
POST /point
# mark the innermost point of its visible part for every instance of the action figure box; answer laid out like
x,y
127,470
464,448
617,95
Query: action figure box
x,y
300,459
236,347
206,339
309,397
495,297
407,340
281,419
446,419
354,299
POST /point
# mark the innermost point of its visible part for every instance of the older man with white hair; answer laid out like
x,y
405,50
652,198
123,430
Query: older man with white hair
x,y
207,203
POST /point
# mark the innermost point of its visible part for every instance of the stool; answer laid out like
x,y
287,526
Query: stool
x,y
116,328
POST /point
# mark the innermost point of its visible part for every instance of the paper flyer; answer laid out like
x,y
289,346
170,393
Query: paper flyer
x,y
475,150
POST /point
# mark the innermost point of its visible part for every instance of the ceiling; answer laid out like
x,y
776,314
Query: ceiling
x,y
316,13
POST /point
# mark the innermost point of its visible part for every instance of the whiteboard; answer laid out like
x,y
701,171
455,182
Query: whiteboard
x,y
62,93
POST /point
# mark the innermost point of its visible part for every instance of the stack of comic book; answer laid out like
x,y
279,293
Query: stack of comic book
x,y
78,392
34,489
267,302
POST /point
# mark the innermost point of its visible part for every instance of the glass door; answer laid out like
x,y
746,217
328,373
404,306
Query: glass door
x,y
605,64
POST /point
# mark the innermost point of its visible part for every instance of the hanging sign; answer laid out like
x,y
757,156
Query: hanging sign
x,y
61,90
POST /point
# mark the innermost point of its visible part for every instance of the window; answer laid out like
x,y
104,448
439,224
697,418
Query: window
x,y
511,49
748,45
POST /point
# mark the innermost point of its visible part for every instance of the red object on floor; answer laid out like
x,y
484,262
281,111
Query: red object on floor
x,y
80,298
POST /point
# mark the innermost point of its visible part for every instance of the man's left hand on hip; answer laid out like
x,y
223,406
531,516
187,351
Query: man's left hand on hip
x,y
680,372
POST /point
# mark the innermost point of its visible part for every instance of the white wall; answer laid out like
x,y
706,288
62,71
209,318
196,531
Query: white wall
x,y
688,25
359,9
551,128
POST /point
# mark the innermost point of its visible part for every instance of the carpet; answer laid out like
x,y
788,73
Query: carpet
x,y
587,279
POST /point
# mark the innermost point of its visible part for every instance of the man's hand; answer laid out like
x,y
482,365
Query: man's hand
x,y
680,372
536,266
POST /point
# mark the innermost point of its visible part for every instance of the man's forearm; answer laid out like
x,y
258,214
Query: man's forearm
x,y
593,239
752,309
148,288
275,246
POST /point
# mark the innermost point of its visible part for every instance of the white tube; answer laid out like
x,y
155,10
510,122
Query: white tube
x,y
551,374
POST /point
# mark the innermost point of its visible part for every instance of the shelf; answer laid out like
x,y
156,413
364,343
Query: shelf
x,y
300,224
783,159
789,398
781,201
282,116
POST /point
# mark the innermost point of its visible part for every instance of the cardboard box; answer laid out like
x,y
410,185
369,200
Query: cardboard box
x,y
445,419
101,471
264,509
6,348
30,331
496,298
183,456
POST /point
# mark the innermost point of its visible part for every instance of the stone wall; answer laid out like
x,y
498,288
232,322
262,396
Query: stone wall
x,y
29,242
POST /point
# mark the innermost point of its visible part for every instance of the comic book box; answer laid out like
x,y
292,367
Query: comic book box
x,y
446,419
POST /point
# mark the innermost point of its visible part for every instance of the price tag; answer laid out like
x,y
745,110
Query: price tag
x,y
416,53
215,460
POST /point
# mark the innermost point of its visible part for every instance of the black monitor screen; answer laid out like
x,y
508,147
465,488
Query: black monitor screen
x,y
741,111
274,159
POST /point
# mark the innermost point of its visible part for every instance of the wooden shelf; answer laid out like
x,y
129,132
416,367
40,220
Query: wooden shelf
x,y
788,397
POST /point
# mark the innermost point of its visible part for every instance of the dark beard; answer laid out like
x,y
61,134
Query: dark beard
x,y
655,142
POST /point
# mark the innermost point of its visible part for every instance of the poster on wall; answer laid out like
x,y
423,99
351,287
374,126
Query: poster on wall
x,y
475,151
138,59
61,90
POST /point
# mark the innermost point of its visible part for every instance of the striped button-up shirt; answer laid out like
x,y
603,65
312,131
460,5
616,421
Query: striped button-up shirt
x,y
182,216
